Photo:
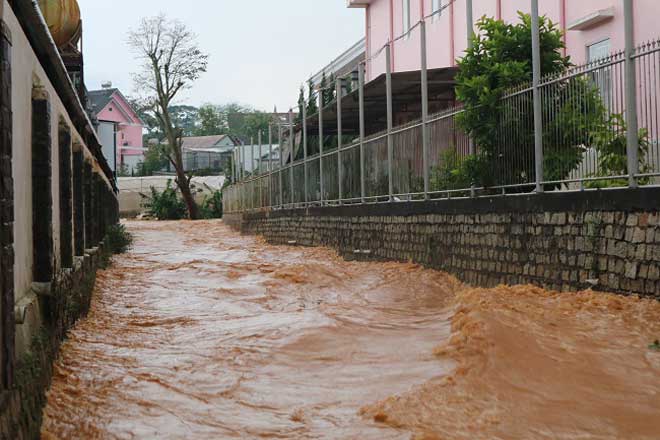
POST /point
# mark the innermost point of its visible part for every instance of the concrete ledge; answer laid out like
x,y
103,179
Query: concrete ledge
x,y
638,199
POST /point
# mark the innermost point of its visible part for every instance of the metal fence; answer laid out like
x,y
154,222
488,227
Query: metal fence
x,y
585,142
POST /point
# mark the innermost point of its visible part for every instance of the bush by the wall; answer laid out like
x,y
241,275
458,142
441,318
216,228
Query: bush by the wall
x,y
118,239
165,205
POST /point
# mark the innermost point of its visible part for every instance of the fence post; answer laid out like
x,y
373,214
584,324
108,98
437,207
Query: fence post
x,y
303,112
259,180
240,162
270,164
470,22
281,155
425,108
538,120
234,163
321,187
291,156
339,140
363,189
632,139
390,122
260,171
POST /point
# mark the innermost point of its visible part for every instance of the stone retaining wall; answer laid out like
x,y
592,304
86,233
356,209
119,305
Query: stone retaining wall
x,y
609,240
22,404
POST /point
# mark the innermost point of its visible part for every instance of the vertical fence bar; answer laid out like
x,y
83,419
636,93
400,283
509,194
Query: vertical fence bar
x,y
321,186
538,121
363,187
291,155
425,107
303,112
390,122
339,140
632,139
281,155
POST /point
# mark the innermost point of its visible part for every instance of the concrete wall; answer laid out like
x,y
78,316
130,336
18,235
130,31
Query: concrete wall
x,y
43,243
447,35
609,240
132,190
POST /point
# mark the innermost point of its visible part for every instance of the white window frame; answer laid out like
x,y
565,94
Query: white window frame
x,y
437,5
602,79
405,15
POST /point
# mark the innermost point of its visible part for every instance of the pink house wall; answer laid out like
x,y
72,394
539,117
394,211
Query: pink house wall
x,y
447,33
130,128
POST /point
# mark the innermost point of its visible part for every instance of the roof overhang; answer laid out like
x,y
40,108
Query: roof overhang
x,y
591,20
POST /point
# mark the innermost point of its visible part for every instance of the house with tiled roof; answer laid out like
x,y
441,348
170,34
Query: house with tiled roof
x,y
209,152
120,127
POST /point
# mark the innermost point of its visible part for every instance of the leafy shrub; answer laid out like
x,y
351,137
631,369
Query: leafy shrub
x,y
166,205
118,239
610,142
212,206
455,172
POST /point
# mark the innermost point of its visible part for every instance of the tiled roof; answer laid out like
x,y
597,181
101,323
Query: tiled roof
x,y
98,99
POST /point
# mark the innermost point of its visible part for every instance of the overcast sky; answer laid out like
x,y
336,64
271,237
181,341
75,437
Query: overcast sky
x,y
261,50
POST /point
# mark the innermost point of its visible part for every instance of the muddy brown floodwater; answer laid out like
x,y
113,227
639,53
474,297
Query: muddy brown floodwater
x,y
200,333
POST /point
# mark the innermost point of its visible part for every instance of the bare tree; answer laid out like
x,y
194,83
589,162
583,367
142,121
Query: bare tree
x,y
172,62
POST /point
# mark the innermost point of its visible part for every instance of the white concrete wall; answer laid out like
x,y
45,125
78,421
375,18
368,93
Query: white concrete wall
x,y
26,72
131,190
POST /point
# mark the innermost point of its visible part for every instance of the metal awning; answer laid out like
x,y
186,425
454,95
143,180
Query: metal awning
x,y
406,102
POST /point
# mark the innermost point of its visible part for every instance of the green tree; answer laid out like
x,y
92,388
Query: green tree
x,y
500,59
301,105
312,107
172,62
186,118
210,121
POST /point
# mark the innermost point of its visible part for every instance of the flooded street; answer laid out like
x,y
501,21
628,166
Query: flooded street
x,y
200,333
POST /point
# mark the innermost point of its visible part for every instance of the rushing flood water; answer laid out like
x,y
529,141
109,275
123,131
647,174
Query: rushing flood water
x,y
200,333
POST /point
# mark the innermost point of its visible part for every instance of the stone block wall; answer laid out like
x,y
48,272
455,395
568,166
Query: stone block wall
x,y
608,240
22,404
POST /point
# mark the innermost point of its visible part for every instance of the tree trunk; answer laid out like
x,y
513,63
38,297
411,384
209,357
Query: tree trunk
x,y
188,198
177,161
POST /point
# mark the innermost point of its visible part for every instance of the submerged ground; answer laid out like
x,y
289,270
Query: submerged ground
x,y
201,333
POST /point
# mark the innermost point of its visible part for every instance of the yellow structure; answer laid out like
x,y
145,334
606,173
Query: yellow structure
x,y
63,19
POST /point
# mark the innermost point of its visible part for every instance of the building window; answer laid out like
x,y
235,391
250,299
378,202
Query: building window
x,y
599,50
436,9
406,16
602,78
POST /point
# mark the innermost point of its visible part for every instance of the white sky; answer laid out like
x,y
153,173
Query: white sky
x,y
261,50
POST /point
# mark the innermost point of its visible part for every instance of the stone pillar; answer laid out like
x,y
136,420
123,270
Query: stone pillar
x,y
78,203
42,199
66,197
6,215
89,220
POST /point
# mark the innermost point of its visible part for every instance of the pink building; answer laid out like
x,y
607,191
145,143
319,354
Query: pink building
x,y
110,106
593,28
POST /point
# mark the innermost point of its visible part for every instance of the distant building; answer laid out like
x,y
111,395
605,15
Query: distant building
x,y
209,152
120,128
